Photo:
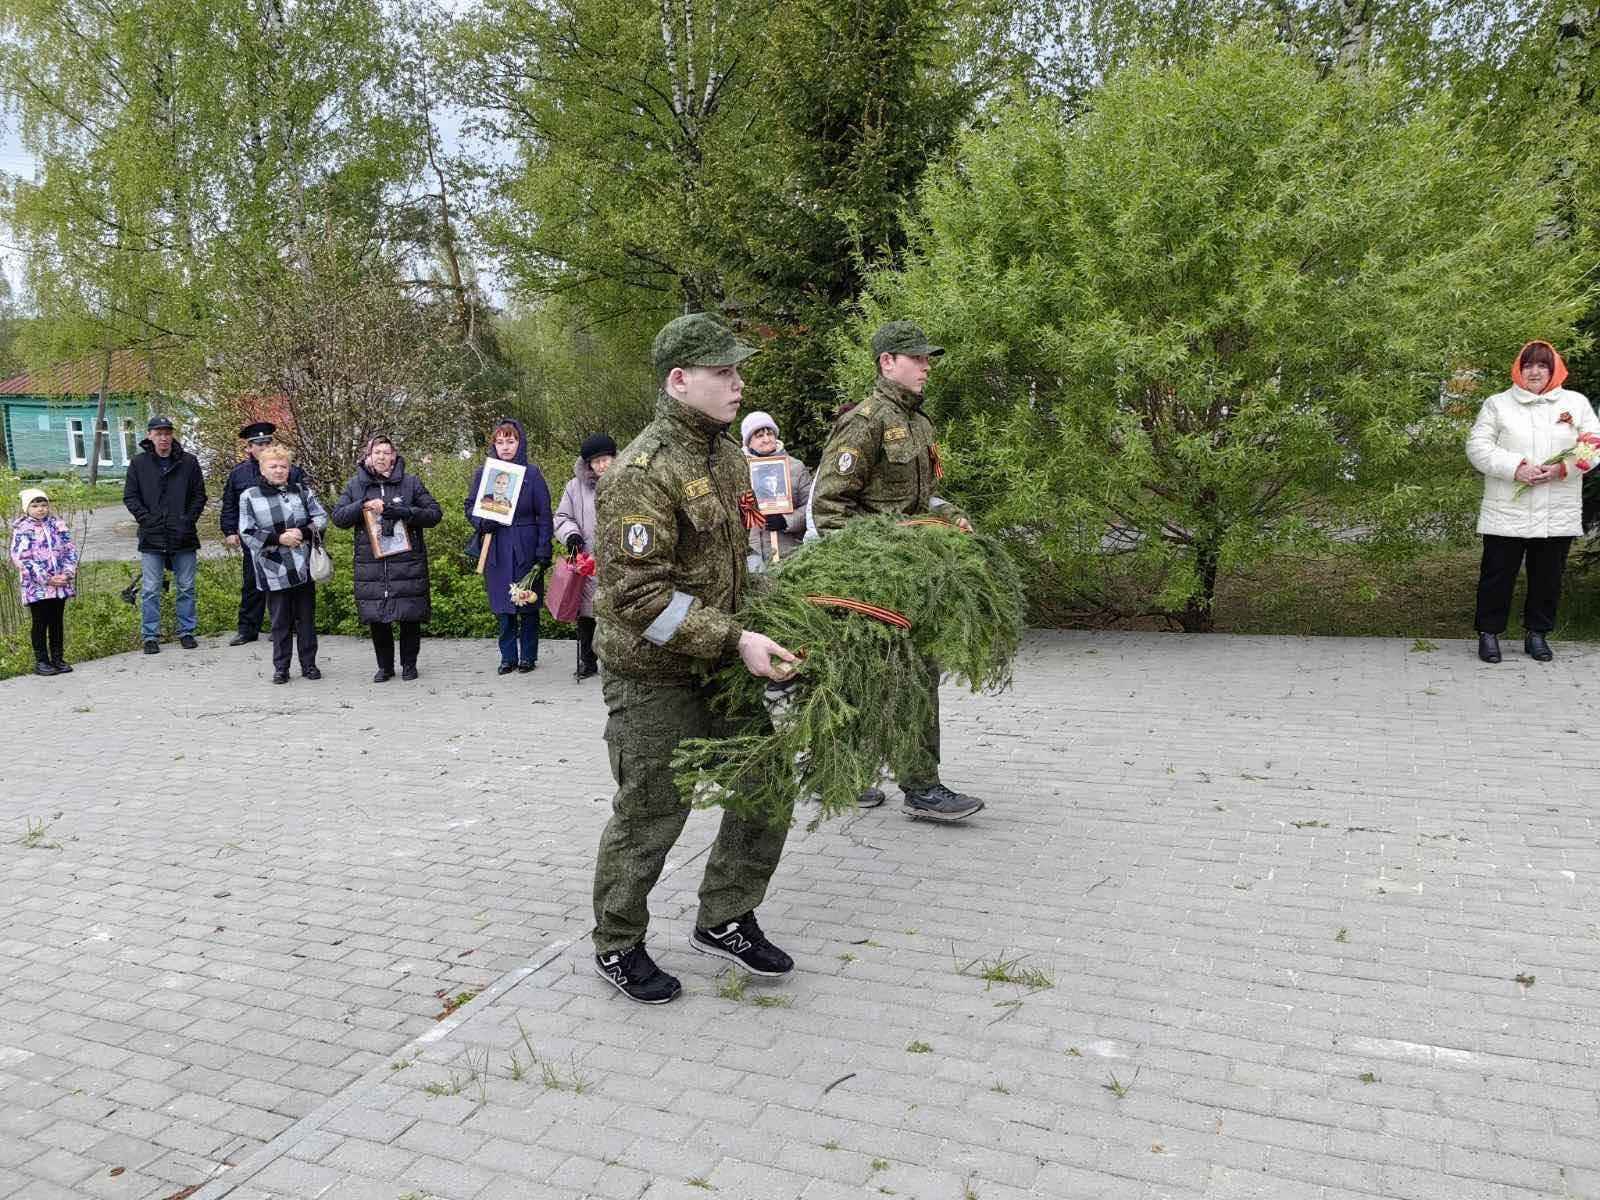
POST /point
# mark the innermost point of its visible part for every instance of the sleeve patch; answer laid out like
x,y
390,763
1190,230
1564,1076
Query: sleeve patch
x,y
638,536
848,457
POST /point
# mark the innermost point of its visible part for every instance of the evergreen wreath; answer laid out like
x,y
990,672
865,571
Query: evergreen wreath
x,y
860,696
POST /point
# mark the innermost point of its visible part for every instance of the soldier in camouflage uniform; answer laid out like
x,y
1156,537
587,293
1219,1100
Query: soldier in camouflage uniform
x,y
671,543
881,458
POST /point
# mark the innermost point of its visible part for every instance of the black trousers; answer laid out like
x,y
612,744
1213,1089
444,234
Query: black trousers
x,y
252,600
294,615
1497,577
49,629
586,657
383,643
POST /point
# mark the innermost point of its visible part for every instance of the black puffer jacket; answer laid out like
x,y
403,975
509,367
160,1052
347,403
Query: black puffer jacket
x,y
393,588
166,503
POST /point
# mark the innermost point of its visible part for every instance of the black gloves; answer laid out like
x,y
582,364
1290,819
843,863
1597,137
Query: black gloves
x,y
776,523
574,542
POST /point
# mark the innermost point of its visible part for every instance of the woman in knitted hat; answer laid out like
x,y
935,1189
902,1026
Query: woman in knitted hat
x,y
47,567
575,527
759,433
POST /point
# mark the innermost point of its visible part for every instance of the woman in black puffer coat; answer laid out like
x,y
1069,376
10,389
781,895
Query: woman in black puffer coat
x,y
393,588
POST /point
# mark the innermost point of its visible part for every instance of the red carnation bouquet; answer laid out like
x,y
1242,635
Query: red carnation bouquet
x,y
1582,457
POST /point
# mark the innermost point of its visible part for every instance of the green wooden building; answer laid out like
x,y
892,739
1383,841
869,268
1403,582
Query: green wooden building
x,y
48,416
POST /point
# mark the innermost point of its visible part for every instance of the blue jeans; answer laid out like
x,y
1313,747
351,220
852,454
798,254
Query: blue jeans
x,y
184,563
523,647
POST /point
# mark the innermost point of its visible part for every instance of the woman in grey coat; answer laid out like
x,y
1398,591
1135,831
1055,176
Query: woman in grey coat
x,y
278,521
575,528
760,435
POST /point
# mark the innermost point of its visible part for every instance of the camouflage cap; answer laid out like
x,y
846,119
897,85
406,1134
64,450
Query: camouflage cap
x,y
903,337
696,340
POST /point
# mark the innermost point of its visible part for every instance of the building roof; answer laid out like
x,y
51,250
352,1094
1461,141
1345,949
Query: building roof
x,y
130,372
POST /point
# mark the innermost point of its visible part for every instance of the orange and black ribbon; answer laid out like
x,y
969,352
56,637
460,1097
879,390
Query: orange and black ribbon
x,y
751,512
935,461
887,615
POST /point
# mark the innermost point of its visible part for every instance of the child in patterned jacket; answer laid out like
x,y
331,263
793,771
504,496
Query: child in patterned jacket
x,y
47,566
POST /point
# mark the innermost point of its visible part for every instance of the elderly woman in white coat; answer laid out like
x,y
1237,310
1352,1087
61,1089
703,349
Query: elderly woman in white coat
x,y
1516,432
575,527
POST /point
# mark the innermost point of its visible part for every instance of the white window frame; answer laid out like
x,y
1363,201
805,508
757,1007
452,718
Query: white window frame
x,y
129,437
106,449
77,448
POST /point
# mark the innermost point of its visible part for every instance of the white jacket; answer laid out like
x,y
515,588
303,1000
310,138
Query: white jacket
x,y
1516,426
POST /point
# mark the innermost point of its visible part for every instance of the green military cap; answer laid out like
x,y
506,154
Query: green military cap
x,y
696,340
903,337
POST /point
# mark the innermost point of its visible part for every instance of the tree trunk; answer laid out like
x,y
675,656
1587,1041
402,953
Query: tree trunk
x,y
1355,36
1199,613
100,420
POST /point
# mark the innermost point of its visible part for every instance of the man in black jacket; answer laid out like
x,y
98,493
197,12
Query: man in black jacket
x,y
166,494
252,600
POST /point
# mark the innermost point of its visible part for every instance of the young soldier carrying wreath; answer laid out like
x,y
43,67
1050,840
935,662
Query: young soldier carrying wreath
x,y
671,546
881,458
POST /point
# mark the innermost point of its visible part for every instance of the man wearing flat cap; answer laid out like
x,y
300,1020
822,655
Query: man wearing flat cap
x,y
165,490
252,600
881,458
671,543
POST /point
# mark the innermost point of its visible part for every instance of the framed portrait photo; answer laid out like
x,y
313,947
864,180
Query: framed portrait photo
x,y
773,488
498,489
398,541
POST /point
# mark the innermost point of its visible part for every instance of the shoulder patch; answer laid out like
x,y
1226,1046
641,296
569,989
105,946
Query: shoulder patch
x,y
896,433
638,535
847,459
640,460
696,488
866,409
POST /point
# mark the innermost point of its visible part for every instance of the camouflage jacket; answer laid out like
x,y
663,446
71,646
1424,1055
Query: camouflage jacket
x,y
880,458
671,544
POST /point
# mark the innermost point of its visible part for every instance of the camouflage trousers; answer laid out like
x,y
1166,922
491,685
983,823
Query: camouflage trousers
x,y
920,768
645,724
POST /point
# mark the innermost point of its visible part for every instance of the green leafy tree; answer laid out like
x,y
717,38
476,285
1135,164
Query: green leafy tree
x,y
1235,308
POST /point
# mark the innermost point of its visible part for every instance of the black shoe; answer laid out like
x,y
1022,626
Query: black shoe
x,y
871,798
44,668
633,974
280,677
505,668
743,942
586,669
524,667
152,647
383,675
1536,648
60,664
939,803
244,639
187,642
1489,647
408,673
310,672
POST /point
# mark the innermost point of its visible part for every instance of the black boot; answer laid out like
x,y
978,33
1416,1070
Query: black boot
x,y
1489,647
1536,648
587,663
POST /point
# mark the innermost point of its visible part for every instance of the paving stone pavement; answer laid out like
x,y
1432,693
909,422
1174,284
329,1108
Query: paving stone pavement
x,y
1289,918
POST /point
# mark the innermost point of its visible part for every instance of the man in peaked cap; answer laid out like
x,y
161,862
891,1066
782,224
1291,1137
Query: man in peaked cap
x,y
671,541
882,458
252,601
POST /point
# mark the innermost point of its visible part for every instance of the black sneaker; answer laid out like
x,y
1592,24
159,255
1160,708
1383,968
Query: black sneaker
x,y
636,976
524,667
938,803
44,668
187,642
743,942
505,668
152,647
871,798
61,665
